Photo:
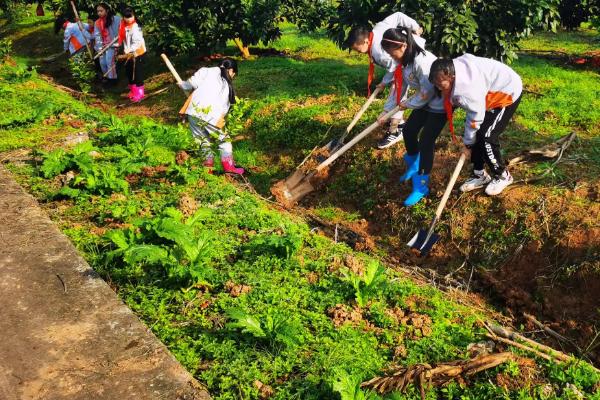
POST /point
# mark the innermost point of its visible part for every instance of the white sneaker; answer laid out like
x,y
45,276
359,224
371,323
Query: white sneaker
x,y
497,185
479,180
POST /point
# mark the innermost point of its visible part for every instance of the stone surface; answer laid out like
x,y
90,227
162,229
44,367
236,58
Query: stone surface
x,y
64,334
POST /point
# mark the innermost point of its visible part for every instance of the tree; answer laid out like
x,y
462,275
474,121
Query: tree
x,y
574,12
489,28
180,26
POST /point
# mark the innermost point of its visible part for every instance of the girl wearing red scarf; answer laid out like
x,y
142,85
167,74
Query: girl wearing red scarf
x,y
427,117
134,48
106,29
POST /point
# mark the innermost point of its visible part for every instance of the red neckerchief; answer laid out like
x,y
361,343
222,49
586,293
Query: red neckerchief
x,y
65,24
398,82
371,65
122,27
449,111
101,24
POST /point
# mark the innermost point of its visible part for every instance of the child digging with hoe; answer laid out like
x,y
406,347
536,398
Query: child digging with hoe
x,y
490,92
207,107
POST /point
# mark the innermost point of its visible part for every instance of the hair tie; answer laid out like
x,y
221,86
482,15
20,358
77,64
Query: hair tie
x,y
393,41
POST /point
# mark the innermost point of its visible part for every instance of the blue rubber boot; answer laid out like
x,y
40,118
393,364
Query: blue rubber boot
x,y
412,166
420,189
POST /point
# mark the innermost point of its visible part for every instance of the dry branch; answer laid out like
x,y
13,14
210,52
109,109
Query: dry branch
x,y
425,375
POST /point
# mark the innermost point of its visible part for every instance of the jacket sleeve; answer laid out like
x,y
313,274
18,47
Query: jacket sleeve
x,y
97,38
391,100
424,94
401,19
475,109
67,38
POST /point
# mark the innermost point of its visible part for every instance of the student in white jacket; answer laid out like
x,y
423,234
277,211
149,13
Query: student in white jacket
x,y
134,48
366,41
490,92
207,107
74,40
106,29
427,118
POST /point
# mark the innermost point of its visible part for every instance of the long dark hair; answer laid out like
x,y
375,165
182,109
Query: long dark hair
x,y
441,66
59,22
109,13
393,38
224,65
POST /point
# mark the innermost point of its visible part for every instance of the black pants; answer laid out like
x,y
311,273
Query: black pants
x,y
486,149
134,70
429,124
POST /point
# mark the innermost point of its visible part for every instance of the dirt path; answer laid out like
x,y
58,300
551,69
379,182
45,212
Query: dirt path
x,y
65,334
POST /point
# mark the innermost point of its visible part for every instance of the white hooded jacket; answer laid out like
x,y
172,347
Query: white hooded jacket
x,y
482,84
416,76
210,99
380,56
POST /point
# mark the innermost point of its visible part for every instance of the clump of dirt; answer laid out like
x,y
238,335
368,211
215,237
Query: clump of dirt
x,y
312,277
264,391
236,290
528,376
342,314
181,157
188,205
354,264
150,172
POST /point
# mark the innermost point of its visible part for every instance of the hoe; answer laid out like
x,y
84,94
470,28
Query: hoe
x,y
298,185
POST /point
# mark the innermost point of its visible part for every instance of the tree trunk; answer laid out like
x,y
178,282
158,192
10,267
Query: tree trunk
x,y
243,49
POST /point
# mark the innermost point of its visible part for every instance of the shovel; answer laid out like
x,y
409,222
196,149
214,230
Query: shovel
x,y
298,184
335,144
424,240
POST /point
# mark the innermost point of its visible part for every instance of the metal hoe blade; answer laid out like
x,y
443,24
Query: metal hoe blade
x,y
424,241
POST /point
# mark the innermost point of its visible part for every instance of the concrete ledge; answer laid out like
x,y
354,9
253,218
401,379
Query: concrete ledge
x,y
64,333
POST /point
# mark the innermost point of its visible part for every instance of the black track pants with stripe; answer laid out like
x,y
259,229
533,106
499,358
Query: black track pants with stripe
x,y
486,149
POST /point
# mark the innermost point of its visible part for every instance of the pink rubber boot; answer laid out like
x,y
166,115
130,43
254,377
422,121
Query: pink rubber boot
x,y
131,92
229,166
209,165
138,94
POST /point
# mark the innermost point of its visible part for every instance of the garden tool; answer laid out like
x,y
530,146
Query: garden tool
x,y
425,239
102,50
82,30
172,69
335,144
298,184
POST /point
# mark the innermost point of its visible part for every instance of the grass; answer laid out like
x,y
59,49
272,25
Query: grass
x,y
241,292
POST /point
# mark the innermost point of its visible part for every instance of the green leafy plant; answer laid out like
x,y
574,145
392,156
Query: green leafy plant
x,y
275,327
367,285
83,71
348,387
5,49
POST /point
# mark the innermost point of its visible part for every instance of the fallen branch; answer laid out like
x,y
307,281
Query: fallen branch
x,y
549,152
425,375
549,331
509,334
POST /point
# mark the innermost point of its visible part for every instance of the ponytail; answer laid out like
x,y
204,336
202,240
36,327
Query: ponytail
x,y
58,23
225,65
393,38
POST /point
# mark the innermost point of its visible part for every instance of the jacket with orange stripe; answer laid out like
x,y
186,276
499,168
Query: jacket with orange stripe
x,y
482,84
74,40
380,56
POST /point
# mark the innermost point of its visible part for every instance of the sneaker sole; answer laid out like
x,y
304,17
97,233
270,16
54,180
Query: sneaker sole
x,y
504,188
389,144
